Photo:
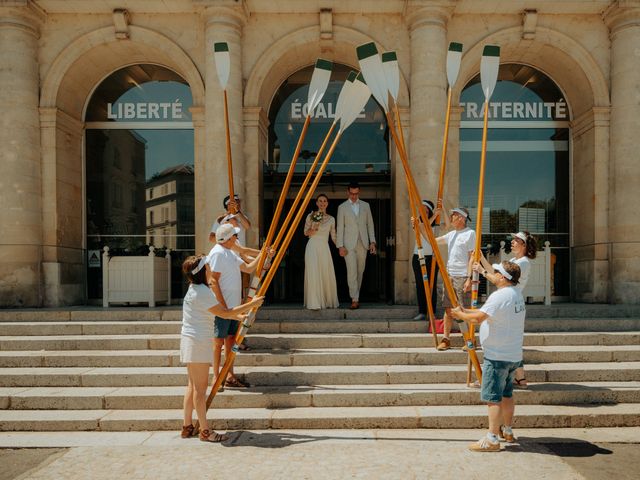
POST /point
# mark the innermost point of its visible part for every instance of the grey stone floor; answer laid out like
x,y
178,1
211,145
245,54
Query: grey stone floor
x,y
326,454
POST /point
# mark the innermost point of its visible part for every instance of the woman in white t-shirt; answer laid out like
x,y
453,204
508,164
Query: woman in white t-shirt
x,y
199,309
523,248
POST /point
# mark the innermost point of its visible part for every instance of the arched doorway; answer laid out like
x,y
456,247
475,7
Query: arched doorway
x,y
139,159
527,183
362,155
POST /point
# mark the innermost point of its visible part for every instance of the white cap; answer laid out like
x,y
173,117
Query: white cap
x,y
499,268
521,235
225,232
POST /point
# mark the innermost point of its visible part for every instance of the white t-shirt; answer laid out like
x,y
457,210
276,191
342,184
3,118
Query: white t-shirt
x,y
426,246
227,262
525,268
460,243
242,236
197,321
501,334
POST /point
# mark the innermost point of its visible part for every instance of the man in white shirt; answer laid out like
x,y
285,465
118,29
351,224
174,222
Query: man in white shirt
x,y
501,321
355,235
225,281
461,242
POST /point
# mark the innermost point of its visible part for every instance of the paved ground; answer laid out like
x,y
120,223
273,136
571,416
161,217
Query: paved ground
x,y
326,454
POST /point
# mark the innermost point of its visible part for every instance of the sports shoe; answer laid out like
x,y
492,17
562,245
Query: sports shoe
x,y
420,316
485,445
507,435
445,344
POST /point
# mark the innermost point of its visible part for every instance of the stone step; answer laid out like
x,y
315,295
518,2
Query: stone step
x,y
144,398
173,327
400,417
300,325
308,375
290,341
333,356
286,313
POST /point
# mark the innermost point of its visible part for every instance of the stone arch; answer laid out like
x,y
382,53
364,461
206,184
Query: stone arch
x,y
76,70
299,49
573,64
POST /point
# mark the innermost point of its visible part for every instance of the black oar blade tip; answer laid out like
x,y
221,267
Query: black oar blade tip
x,y
491,51
366,50
455,47
323,64
389,57
220,47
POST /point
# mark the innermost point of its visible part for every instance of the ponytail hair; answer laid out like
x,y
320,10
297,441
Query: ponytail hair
x,y
531,246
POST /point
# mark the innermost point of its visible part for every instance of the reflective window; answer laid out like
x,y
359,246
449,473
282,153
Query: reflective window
x,y
527,171
139,168
362,149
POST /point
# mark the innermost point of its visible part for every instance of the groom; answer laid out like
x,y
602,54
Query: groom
x,y
355,236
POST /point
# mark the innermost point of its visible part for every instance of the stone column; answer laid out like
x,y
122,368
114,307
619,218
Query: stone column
x,y
428,90
256,123
623,19
428,86
222,24
20,189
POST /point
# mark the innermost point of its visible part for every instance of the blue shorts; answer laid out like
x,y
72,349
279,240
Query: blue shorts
x,y
223,328
497,380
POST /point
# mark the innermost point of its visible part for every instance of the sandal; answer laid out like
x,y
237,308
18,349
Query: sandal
x,y
244,347
189,431
235,382
520,383
213,437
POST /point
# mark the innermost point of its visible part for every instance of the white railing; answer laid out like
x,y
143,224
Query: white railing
x,y
539,283
136,279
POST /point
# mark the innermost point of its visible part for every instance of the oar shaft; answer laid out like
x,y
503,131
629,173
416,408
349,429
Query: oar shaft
x,y
413,191
285,190
267,281
228,141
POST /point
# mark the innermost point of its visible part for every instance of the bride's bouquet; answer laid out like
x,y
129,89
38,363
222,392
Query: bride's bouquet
x,y
316,218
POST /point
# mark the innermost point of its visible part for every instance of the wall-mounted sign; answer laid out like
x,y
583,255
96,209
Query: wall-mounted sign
x,y
517,110
93,258
299,111
145,111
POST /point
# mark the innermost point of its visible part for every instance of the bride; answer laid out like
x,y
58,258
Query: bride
x,y
320,289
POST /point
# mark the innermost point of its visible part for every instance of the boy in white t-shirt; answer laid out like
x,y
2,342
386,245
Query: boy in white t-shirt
x,y
501,321
226,267
461,242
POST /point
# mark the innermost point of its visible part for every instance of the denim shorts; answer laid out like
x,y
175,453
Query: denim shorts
x,y
497,380
223,328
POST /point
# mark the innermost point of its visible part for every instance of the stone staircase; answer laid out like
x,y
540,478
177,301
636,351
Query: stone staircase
x,y
118,370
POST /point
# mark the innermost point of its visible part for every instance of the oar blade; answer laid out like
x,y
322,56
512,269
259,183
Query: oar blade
x,y
223,62
391,73
344,96
489,66
373,72
358,97
319,82
454,58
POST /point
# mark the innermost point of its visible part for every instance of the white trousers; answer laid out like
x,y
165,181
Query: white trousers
x,y
355,260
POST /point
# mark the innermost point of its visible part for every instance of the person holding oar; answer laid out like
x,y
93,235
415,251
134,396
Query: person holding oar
x,y
523,248
417,269
460,243
501,321
196,350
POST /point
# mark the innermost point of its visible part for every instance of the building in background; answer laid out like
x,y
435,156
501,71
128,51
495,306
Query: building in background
x,y
107,101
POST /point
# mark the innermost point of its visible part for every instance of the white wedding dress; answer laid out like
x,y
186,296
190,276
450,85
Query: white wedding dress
x,y
320,289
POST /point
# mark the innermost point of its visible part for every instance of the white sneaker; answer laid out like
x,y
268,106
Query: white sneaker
x,y
420,316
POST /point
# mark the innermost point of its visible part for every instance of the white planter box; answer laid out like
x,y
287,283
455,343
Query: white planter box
x,y
139,279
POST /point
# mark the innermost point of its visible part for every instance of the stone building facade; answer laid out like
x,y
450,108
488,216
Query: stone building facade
x,y
54,54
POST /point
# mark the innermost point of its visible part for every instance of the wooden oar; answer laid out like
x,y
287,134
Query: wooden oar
x,y
223,67
489,66
392,76
454,57
358,96
317,88
374,73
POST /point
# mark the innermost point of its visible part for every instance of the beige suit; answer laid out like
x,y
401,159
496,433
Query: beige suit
x,y
355,233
